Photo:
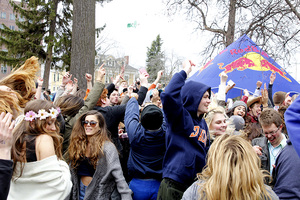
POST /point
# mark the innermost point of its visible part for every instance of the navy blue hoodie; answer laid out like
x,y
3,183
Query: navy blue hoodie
x,y
187,137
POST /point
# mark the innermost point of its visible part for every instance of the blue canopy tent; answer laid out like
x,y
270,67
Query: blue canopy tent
x,y
245,64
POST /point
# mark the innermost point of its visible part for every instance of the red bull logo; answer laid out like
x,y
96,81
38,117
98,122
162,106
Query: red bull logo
x,y
253,61
205,66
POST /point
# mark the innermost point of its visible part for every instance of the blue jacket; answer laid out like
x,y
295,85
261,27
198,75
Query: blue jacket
x,y
147,148
292,122
187,137
286,173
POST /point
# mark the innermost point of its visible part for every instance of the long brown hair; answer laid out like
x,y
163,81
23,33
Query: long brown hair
x,y
232,171
79,142
69,104
38,127
22,80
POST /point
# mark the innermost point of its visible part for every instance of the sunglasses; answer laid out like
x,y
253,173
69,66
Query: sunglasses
x,y
91,123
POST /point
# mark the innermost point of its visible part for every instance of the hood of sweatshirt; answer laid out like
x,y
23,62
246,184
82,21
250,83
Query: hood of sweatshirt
x,y
192,93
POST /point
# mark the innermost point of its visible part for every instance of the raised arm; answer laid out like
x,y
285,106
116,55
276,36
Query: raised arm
x,y
270,88
171,97
38,92
6,164
89,79
66,78
292,122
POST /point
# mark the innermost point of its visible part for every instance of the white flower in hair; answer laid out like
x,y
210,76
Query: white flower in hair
x,y
53,113
43,114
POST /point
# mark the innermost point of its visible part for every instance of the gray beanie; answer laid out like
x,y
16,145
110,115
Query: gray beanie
x,y
238,122
236,104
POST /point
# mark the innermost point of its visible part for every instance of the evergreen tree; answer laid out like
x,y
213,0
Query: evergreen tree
x,y
63,35
155,58
25,42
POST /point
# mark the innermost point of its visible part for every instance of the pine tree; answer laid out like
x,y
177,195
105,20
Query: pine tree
x,y
155,58
25,42
63,35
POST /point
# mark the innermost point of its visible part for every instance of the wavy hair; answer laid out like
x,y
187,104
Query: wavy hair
x,y
35,128
239,175
8,103
22,80
103,96
80,143
69,104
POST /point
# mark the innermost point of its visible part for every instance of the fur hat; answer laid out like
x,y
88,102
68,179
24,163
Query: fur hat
x,y
236,104
151,117
279,97
253,100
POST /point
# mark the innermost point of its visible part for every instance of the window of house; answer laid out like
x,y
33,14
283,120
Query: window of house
x,y
12,27
11,16
96,61
1,26
54,77
126,77
3,69
57,77
21,19
110,63
53,89
3,15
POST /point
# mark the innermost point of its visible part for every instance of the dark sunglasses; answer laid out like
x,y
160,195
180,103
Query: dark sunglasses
x,y
91,123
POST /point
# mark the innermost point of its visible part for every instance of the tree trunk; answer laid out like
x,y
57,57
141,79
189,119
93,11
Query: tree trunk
x,y
83,40
231,23
50,46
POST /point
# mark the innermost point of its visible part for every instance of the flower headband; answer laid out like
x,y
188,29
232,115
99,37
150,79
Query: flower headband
x,y
42,114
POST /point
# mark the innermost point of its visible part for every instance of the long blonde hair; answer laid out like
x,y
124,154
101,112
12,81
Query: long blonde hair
x,y
209,116
232,171
22,80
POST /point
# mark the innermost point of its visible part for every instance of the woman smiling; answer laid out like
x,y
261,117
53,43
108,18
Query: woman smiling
x,y
95,166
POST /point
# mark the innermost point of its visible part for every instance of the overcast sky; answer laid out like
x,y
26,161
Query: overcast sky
x,y
176,33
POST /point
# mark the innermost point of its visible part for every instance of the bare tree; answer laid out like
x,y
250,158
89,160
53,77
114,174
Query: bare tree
x,y
104,45
270,23
173,63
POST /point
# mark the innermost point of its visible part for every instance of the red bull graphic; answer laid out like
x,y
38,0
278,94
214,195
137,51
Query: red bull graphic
x,y
240,64
253,61
245,63
205,66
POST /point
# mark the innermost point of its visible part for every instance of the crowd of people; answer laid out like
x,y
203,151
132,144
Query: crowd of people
x,y
145,142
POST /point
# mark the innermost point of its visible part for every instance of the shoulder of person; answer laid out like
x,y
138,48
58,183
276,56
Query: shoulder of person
x,y
44,146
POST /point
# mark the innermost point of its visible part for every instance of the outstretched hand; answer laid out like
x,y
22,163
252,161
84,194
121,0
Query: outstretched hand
x,y
265,96
6,128
272,78
66,78
187,66
88,77
100,73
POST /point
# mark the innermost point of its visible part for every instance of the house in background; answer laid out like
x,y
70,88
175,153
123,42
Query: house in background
x,y
55,79
113,68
